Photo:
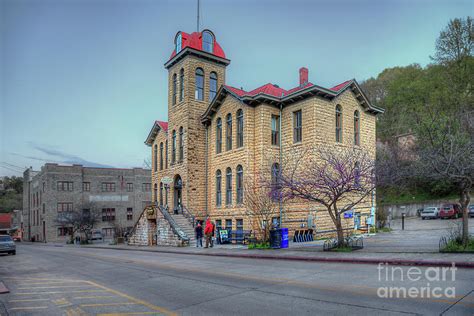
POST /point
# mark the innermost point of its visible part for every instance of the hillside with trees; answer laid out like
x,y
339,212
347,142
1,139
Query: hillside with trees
x,y
11,190
436,105
433,103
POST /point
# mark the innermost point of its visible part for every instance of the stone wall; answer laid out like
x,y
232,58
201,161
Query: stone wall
x,y
187,114
156,226
396,210
258,154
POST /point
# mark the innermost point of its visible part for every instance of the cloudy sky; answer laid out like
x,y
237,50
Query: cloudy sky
x,y
81,81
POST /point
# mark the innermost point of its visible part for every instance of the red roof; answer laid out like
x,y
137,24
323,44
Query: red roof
x,y
276,91
163,125
5,220
194,40
269,89
340,86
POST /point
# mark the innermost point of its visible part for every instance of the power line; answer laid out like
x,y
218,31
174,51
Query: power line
x,y
11,169
12,165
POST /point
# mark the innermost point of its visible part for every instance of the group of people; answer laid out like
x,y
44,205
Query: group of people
x,y
208,231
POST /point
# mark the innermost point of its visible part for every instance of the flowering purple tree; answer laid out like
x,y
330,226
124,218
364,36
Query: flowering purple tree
x,y
337,179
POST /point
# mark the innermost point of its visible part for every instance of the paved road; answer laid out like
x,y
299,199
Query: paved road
x,y
47,280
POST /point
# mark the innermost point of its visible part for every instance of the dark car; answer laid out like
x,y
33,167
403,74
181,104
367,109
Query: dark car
x,y
470,210
419,211
7,245
450,210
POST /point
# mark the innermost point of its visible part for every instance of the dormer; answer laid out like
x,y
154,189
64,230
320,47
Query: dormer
x,y
202,44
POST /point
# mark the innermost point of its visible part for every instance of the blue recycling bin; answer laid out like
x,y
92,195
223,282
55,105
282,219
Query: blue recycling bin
x,y
284,238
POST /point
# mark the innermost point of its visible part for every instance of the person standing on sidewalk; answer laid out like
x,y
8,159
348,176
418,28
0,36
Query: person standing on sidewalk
x,y
198,231
208,232
212,234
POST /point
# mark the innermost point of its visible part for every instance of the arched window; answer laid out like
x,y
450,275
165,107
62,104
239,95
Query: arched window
x,y
212,86
155,193
207,42
240,184
228,132
338,123
356,128
228,185
179,40
218,188
161,193
175,83
161,156
173,148
199,92
155,158
166,155
181,84
240,128
181,144
218,135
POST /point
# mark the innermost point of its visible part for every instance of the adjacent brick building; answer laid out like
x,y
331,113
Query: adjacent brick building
x,y
218,136
119,195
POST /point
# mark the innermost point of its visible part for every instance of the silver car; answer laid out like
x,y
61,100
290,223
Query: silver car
x,y
7,245
430,212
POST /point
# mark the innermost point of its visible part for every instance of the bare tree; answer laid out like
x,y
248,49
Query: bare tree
x,y
260,206
337,179
445,148
455,42
80,220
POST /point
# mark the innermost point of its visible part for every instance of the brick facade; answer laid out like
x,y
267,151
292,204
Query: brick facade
x,y
256,156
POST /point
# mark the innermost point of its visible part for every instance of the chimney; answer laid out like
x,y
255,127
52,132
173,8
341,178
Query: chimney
x,y
303,76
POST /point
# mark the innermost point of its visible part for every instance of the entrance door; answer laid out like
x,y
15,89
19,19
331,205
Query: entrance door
x,y
44,231
357,220
178,186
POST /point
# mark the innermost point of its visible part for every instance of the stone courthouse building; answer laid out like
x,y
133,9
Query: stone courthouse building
x,y
218,136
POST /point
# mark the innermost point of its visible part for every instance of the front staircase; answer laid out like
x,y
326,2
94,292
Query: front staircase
x,y
186,226
157,226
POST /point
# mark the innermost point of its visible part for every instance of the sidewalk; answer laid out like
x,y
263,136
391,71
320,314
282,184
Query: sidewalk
x,y
412,259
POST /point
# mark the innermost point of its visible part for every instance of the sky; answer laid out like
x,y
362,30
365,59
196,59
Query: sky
x,y
82,81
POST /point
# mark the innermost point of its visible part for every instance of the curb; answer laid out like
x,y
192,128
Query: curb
x,y
398,262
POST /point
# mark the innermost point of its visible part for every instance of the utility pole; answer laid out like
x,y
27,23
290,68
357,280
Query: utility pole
x,y
280,205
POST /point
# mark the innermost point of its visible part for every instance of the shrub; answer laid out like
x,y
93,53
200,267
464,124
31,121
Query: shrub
x,y
262,245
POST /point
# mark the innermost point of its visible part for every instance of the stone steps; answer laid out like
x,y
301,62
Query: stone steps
x,y
185,226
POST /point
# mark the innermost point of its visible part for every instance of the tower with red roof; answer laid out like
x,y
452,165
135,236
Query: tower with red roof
x,y
196,70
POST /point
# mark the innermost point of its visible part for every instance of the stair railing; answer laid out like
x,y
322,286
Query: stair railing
x,y
174,226
187,214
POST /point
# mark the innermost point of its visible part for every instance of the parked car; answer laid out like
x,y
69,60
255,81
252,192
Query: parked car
x,y
450,210
419,211
430,212
96,235
470,210
7,245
